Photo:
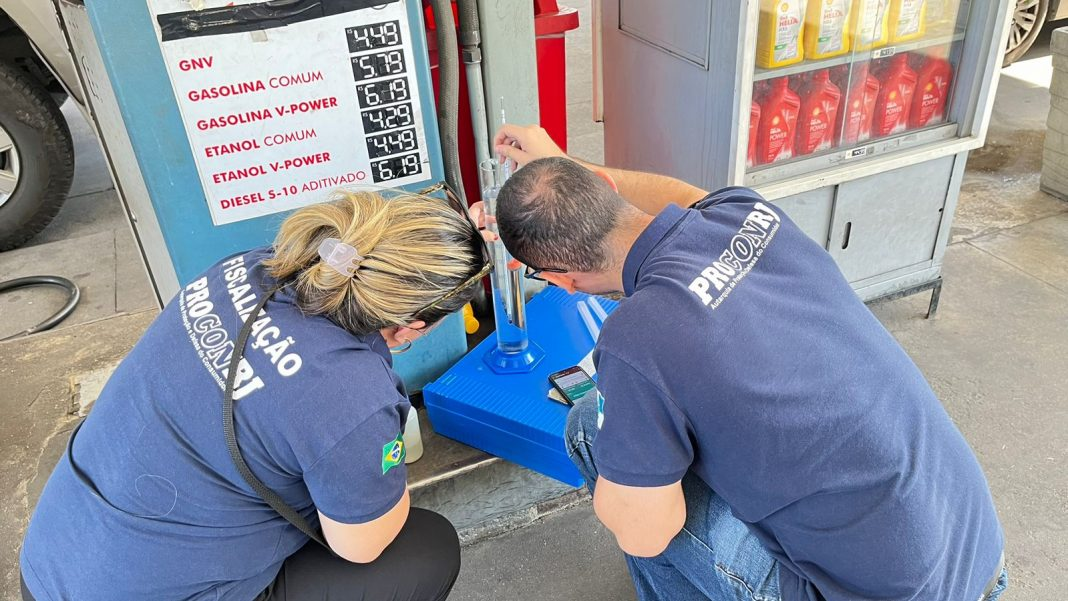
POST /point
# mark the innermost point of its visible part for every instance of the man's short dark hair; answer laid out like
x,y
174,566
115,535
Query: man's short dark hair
x,y
556,213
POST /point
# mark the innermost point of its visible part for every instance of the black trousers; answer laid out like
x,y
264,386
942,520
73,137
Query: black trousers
x,y
420,565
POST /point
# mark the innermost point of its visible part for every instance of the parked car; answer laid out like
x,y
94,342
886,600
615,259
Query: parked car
x,y
37,74
1027,22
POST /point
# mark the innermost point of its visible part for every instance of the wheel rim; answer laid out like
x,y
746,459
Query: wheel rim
x,y
9,167
1024,22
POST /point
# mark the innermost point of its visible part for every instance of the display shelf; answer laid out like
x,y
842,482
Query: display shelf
x,y
800,167
884,52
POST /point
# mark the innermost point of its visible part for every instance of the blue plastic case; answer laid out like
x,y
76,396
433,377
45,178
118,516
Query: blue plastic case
x,y
511,415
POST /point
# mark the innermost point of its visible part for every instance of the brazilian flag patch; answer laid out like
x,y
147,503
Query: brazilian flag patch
x,y
393,453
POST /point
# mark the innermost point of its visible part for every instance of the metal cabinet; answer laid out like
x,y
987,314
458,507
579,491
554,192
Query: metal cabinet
x,y
855,116
874,233
811,211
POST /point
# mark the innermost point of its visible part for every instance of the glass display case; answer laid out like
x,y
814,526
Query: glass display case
x,y
847,79
854,116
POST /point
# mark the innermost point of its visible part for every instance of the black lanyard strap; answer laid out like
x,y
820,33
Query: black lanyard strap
x,y
284,509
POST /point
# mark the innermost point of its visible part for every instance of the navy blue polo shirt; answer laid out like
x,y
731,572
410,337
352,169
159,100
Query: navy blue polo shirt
x,y
742,354
318,417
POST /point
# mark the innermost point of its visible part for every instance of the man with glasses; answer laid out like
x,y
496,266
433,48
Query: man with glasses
x,y
762,435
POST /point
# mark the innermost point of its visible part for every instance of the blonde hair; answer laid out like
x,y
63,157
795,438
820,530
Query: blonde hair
x,y
416,249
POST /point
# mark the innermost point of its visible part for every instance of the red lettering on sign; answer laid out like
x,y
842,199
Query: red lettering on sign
x,y
238,119
234,175
307,106
296,136
194,64
304,161
244,199
284,81
231,89
231,148
334,181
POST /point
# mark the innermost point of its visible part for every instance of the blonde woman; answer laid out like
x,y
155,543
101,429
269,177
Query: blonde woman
x,y
260,403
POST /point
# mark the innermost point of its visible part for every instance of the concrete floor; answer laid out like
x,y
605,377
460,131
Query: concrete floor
x,y
995,353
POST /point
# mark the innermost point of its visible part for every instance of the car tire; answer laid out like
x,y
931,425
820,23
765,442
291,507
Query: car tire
x,y
36,157
1027,20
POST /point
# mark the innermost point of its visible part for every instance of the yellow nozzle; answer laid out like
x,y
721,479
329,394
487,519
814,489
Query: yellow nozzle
x,y
470,321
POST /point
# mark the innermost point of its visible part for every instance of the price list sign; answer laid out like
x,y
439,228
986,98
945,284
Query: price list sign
x,y
280,114
379,59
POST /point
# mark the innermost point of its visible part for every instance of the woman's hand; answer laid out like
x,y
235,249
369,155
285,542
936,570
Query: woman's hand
x,y
478,214
483,221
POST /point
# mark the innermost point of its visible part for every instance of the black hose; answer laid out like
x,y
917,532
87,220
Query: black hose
x,y
471,40
74,294
468,11
448,93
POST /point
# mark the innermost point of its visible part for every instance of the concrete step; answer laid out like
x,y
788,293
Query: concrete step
x,y
482,495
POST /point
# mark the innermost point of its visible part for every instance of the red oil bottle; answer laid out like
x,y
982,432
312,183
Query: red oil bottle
x,y
778,123
754,128
932,91
820,100
859,109
897,87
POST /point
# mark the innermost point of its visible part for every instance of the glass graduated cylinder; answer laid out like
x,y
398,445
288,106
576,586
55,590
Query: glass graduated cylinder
x,y
506,281
507,288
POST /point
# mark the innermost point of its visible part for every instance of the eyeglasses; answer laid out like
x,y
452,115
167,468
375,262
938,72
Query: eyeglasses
x,y
457,204
534,273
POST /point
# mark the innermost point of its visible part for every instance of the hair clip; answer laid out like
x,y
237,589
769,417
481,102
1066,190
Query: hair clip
x,y
340,256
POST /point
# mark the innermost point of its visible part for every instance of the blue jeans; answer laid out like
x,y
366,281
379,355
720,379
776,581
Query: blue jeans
x,y
715,556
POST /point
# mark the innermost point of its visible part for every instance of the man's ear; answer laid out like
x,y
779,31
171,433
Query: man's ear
x,y
608,179
561,280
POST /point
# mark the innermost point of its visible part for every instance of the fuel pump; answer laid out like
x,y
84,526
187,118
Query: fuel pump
x,y
218,117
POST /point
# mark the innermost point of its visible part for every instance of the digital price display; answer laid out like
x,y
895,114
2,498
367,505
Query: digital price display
x,y
383,92
388,106
389,117
396,167
380,64
374,36
393,142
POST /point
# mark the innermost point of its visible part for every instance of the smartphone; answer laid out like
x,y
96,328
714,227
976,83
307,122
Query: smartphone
x,y
573,383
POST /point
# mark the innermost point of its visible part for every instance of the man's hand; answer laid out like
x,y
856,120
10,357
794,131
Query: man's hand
x,y
647,191
523,144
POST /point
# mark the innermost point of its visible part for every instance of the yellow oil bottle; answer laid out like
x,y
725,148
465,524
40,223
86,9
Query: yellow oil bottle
x,y
941,16
827,28
870,24
908,20
780,33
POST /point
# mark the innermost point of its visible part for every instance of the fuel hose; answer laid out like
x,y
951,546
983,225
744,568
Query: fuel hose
x,y
448,93
74,294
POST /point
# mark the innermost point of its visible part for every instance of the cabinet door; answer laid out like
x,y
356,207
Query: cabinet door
x,y
811,211
889,221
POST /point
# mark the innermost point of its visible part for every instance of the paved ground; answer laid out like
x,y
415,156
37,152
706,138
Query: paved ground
x,y
995,354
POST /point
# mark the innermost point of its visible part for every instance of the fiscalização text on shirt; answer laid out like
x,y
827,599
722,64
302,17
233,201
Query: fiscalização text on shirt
x,y
212,342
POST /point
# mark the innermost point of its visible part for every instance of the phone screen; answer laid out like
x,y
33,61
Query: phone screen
x,y
573,383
